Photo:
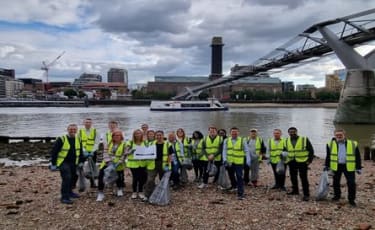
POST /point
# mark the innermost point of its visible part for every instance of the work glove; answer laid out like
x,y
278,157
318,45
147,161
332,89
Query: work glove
x,y
53,168
248,163
166,168
268,161
326,168
80,165
358,171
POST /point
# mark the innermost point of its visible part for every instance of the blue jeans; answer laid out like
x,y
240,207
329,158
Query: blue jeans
x,y
175,176
236,176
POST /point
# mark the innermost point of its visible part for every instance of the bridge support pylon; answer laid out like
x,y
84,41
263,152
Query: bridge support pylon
x,y
357,99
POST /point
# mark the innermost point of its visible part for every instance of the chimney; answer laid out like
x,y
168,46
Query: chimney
x,y
216,58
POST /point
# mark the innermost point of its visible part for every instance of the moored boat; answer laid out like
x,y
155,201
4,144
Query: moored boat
x,y
211,104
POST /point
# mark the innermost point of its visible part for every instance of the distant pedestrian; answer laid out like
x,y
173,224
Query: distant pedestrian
x,y
343,157
300,155
65,156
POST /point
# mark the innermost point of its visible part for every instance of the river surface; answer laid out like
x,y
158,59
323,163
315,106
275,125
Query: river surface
x,y
315,123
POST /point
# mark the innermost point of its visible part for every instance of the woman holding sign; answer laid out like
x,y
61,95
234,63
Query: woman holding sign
x,y
135,149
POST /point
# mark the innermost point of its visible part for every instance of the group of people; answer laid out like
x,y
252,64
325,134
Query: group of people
x,y
241,157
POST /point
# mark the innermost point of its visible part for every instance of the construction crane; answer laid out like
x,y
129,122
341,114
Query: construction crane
x,y
46,66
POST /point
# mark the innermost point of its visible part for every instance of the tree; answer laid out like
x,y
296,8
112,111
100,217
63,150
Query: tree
x,y
70,93
81,94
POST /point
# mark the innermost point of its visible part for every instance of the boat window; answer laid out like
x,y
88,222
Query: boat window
x,y
217,104
167,104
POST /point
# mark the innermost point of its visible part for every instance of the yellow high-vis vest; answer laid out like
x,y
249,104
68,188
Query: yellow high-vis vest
x,y
235,153
213,147
117,156
258,146
275,150
350,155
88,142
298,152
65,149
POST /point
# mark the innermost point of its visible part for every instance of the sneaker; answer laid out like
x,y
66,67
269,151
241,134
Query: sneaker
x,y
240,198
134,195
255,184
100,197
145,199
74,195
335,198
141,195
66,201
203,185
283,189
120,192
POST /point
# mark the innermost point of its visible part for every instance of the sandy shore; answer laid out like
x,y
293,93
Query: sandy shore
x,y
281,105
30,200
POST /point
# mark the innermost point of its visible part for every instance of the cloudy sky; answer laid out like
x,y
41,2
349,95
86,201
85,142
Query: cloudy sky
x,y
160,37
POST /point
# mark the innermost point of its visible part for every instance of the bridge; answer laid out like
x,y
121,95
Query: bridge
x,y
338,36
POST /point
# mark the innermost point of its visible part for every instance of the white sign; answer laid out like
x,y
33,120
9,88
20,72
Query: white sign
x,y
145,152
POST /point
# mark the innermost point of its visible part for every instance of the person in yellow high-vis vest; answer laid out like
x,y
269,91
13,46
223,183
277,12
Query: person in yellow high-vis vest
x,y
65,156
213,148
257,152
162,163
185,141
88,136
137,166
115,154
177,159
112,126
234,152
196,151
343,157
300,155
275,152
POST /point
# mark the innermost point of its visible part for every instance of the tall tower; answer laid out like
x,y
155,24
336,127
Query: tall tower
x,y
216,58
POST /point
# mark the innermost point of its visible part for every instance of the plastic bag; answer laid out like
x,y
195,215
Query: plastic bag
x,y
81,179
90,169
323,187
161,194
188,163
110,174
223,180
280,168
211,169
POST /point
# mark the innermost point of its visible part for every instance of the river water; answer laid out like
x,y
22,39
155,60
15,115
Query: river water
x,y
315,123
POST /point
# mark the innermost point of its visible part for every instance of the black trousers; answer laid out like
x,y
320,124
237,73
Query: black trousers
x,y
120,182
350,181
197,169
139,178
68,178
279,179
300,168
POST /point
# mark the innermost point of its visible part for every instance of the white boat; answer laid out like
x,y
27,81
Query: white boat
x,y
211,104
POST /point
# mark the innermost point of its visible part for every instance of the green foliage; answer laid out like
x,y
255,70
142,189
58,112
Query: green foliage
x,y
70,93
255,95
81,94
137,94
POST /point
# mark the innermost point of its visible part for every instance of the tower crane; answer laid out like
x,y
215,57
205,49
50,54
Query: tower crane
x,y
46,66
